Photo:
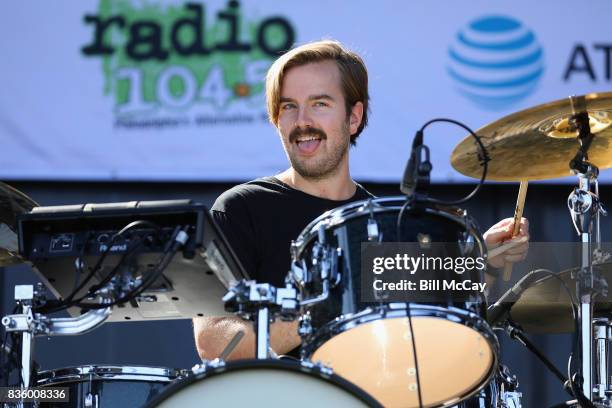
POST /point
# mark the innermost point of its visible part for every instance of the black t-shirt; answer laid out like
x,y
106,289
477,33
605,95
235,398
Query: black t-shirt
x,y
261,218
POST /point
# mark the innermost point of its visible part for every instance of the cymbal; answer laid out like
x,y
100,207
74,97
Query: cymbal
x,y
12,203
538,143
545,306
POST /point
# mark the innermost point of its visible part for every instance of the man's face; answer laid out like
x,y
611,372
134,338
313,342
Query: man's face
x,y
314,125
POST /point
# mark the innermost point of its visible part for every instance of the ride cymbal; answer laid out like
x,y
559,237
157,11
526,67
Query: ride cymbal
x,y
538,143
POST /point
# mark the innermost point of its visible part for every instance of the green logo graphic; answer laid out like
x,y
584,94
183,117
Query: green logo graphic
x,y
166,60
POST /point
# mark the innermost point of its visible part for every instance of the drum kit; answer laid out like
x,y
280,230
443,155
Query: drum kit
x,y
364,353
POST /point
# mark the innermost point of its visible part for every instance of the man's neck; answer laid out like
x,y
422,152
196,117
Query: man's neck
x,y
337,187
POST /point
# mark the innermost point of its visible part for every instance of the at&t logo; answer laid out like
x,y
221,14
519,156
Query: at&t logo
x,y
495,61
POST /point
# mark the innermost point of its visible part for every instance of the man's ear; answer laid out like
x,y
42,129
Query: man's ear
x,y
355,117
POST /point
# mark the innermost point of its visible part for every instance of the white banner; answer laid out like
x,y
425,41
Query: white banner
x,y
169,90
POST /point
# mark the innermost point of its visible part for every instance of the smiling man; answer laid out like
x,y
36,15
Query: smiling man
x,y
317,97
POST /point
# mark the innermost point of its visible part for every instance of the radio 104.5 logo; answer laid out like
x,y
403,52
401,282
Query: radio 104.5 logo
x,y
166,59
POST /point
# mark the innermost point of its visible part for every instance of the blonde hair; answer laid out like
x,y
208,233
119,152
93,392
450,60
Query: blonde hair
x,y
353,76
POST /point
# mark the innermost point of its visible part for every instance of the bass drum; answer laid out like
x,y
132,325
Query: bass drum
x,y
371,344
101,386
262,383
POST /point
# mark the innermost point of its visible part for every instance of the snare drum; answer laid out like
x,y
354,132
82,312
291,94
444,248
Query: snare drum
x,y
101,386
263,383
371,344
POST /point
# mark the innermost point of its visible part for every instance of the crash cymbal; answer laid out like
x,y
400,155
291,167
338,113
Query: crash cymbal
x,y
545,306
538,143
12,203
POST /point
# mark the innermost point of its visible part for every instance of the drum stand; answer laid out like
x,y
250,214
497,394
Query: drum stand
x,y
261,303
585,207
31,324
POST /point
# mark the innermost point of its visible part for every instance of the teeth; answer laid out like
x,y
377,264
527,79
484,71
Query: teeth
x,y
306,139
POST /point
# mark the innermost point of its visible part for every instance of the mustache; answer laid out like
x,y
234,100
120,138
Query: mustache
x,y
309,131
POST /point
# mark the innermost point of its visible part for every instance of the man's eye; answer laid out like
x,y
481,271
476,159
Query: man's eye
x,y
320,103
288,106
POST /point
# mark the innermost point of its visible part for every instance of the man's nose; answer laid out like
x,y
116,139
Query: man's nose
x,y
303,119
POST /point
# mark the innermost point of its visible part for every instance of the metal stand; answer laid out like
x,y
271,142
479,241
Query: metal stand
x,y
31,324
261,303
585,207
603,335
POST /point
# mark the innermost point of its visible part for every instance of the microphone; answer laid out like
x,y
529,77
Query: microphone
x,y
409,181
500,310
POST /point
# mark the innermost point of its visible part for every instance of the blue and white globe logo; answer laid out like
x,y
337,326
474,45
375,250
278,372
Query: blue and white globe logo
x,y
496,61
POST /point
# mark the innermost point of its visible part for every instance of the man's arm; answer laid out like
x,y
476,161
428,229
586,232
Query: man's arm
x,y
212,334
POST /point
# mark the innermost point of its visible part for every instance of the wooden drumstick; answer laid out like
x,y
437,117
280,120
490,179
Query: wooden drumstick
x,y
518,214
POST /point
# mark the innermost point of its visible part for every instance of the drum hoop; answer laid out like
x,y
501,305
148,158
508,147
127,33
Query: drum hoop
x,y
332,378
460,316
107,372
340,215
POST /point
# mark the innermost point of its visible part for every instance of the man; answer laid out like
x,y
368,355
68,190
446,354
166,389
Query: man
x,y
317,97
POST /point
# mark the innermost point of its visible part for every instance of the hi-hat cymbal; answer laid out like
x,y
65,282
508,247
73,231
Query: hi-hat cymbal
x,y
538,143
12,203
545,306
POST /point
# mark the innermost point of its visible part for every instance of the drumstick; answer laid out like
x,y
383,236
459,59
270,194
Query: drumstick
x,y
518,214
231,345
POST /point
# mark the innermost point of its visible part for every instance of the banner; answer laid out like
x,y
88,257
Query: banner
x,y
173,91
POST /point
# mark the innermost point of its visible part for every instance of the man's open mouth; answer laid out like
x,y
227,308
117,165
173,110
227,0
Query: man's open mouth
x,y
308,144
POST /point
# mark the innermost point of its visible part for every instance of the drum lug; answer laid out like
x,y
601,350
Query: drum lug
x,y
305,326
323,369
373,231
336,256
466,243
207,365
91,401
299,274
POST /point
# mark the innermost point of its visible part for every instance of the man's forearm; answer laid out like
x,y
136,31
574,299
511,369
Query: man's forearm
x,y
213,334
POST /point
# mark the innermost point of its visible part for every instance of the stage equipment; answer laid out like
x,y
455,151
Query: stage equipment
x,y
457,352
263,383
107,386
94,257
538,143
12,203
570,136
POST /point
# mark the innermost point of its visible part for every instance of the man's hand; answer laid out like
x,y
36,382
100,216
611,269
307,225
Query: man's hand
x,y
501,233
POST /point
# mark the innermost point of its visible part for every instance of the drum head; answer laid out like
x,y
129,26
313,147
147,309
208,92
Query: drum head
x,y
454,360
263,383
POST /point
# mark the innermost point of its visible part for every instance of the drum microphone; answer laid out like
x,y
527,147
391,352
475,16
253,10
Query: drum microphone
x,y
500,310
416,174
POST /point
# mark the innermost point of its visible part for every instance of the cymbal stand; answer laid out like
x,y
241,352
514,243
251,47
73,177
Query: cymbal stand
x,y
31,325
603,336
261,303
585,209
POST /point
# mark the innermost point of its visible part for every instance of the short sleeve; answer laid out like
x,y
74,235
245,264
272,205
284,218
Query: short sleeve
x,y
232,217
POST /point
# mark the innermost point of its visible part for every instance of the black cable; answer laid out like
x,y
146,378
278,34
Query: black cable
x,y
416,360
109,276
577,392
400,217
517,334
169,252
152,277
483,158
69,300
